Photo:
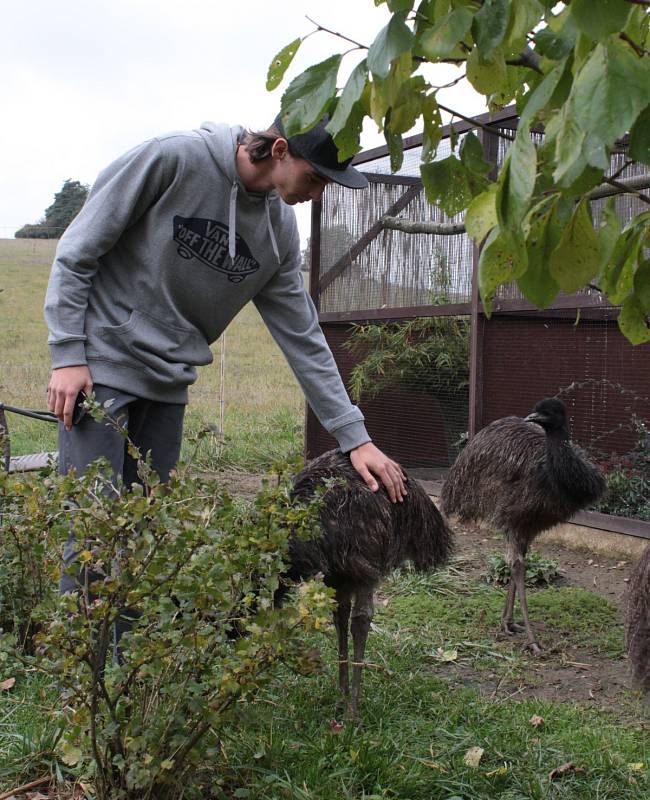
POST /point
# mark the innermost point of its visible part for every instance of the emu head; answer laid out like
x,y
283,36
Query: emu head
x,y
550,414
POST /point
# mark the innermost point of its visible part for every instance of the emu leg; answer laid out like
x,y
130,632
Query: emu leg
x,y
362,614
507,624
518,576
341,622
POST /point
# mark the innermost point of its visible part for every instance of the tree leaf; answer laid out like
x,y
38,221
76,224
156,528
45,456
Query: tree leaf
x,y
350,95
618,275
487,74
395,148
640,138
609,93
537,283
432,122
602,18
307,96
450,185
517,180
490,24
575,260
348,140
540,96
524,17
472,156
481,214
279,64
642,285
502,260
390,43
441,40
633,321
407,105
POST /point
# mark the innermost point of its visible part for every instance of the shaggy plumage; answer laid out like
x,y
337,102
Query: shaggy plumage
x,y
521,477
365,537
637,622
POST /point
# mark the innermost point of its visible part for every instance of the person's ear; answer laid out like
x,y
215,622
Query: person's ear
x,y
280,148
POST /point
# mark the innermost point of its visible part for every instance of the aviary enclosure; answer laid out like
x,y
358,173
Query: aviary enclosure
x,y
402,314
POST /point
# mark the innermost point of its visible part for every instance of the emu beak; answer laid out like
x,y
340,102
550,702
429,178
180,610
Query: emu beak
x,y
535,417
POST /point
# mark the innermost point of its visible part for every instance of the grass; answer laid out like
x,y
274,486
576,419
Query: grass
x,y
263,404
421,714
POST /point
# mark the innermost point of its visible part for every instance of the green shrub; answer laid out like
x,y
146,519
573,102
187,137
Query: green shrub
x,y
540,571
628,479
187,565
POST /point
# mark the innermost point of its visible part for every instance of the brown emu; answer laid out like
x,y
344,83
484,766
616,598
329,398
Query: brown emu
x,y
522,476
364,538
637,622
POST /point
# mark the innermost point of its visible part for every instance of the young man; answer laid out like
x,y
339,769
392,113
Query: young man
x,y
176,236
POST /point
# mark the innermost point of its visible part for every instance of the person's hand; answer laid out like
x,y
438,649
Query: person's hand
x,y
65,384
369,461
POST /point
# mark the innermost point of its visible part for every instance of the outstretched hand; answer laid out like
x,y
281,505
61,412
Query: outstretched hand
x,y
369,461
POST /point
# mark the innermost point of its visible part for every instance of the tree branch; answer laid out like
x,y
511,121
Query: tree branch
x,y
483,126
334,33
631,187
527,58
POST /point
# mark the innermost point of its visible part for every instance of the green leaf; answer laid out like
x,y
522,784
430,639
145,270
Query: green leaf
x,y
609,93
350,95
407,106
569,160
609,230
537,283
471,154
502,260
432,122
640,138
450,185
395,148
390,43
490,24
481,214
575,260
307,96
400,5
348,139
279,64
517,180
441,40
555,45
601,18
541,95
633,321
487,75
642,285
617,277
524,17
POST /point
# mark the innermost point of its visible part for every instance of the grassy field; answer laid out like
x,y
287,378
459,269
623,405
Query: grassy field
x,y
264,410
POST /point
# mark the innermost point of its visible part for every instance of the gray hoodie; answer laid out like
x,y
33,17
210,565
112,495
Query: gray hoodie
x,y
167,249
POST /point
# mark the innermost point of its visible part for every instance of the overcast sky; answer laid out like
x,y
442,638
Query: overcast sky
x,y
83,81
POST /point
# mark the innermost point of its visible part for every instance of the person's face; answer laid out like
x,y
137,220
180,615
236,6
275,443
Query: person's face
x,y
295,179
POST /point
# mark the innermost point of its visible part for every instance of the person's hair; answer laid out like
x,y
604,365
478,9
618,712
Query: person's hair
x,y
258,144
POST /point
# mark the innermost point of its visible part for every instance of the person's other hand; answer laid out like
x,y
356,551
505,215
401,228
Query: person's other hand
x,y
371,463
65,384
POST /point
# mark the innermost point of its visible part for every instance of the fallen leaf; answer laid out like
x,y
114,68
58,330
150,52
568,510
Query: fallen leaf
x,y
499,771
7,684
536,721
37,796
334,726
559,772
446,655
637,766
473,756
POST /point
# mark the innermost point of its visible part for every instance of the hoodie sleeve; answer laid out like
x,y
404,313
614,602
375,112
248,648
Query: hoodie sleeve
x,y
291,317
120,195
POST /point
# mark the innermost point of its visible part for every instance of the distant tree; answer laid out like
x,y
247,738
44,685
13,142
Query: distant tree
x,y
67,204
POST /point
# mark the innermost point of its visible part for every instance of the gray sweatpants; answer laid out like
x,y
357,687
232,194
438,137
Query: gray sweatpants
x,y
153,427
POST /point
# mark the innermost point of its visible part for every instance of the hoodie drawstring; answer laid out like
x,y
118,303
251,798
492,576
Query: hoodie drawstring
x,y
232,225
274,243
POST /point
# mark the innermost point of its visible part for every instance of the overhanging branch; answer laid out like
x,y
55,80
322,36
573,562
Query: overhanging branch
x,y
629,185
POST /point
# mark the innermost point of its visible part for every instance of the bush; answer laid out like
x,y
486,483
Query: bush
x,y
540,571
187,565
628,479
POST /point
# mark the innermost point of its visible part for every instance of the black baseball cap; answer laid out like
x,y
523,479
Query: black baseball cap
x,y
317,147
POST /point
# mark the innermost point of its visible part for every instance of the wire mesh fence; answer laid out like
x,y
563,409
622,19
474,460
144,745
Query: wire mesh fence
x,y
428,368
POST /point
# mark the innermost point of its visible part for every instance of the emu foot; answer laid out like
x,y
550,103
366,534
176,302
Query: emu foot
x,y
511,628
533,648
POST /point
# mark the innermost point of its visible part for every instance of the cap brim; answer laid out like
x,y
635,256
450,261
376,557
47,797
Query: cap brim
x,y
349,176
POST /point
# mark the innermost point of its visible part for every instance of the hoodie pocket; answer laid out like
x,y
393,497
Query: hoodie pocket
x,y
162,347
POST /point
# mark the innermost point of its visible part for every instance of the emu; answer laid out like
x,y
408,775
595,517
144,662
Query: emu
x,y
364,538
522,476
637,622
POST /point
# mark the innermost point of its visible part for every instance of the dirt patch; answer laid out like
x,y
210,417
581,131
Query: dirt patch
x,y
239,484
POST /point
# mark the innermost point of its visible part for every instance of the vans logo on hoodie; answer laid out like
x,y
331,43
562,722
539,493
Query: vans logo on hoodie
x,y
207,240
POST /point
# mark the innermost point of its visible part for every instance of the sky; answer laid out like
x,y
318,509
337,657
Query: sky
x,y
85,81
